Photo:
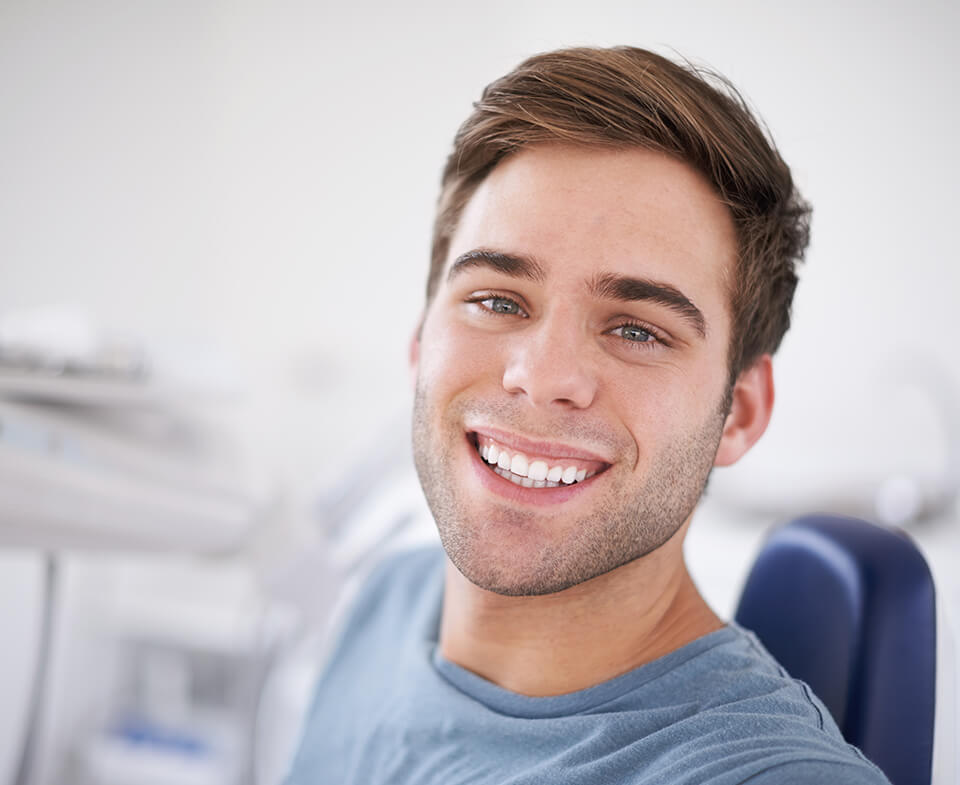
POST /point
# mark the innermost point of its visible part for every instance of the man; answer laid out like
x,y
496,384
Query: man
x,y
613,266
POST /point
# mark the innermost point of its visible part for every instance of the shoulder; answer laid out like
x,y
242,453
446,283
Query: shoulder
x,y
402,577
738,675
743,719
404,586
395,609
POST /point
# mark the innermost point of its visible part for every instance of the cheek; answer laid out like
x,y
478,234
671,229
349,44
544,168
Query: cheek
x,y
647,411
658,403
452,356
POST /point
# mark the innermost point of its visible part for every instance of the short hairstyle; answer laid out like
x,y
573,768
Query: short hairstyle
x,y
628,97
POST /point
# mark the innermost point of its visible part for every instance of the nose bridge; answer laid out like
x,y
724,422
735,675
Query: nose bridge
x,y
549,362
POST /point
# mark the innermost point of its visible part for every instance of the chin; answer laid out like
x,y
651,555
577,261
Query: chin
x,y
524,565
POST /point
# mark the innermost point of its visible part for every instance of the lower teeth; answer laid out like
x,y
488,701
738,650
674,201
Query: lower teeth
x,y
526,482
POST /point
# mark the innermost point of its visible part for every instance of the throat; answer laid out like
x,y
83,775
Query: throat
x,y
569,641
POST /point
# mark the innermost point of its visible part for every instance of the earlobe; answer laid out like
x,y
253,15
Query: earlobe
x,y
750,411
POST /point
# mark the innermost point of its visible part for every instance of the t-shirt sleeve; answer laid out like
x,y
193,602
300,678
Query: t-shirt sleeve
x,y
812,772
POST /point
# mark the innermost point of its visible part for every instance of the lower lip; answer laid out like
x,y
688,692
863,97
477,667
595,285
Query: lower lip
x,y
517,493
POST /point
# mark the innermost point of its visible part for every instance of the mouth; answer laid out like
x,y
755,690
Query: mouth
x,y
534,468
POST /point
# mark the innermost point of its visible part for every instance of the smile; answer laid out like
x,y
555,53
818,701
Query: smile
x,y
533,471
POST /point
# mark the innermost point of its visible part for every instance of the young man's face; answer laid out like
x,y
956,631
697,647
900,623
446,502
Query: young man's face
x,y
579,332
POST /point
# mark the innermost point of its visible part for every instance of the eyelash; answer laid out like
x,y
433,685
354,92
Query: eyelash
x,y
657,338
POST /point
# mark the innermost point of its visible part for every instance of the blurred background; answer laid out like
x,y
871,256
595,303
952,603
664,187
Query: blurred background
x,y
214,233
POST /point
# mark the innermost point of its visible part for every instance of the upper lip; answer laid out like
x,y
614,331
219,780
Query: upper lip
x,y
538,448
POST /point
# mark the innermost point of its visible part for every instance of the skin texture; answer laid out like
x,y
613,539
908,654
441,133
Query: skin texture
x,y
540,352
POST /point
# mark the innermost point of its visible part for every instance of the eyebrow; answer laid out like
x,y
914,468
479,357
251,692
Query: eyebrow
x,y
619,287
508,264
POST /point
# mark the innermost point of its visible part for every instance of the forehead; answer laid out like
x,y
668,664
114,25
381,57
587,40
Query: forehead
x,y
581,211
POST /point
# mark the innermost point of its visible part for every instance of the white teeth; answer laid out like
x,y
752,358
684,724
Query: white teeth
x,y
520,470
538,471
507,475
519,465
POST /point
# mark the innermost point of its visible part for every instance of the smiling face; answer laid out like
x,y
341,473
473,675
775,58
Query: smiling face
x,y
572,366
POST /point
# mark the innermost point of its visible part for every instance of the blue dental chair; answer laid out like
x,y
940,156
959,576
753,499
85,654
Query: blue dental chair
x,y
849,608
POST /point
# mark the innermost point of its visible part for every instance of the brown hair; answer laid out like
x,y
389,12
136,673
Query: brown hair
x,y
624,97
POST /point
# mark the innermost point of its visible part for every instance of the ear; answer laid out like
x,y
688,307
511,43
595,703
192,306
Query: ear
x,y
749,412
413,356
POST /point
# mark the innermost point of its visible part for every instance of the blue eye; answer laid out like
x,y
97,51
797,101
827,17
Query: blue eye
x,y
634,333
636,337
497,305
502,305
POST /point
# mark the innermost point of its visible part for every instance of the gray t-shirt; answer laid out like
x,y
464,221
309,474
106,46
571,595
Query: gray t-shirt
x,y
390,709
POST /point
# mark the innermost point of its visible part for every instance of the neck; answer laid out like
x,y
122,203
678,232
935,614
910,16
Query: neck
x,y
574,639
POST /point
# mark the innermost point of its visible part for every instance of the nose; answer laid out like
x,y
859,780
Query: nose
x,y
549,364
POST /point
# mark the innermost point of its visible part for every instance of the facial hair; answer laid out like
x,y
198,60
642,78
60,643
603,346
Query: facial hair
x,y
632,518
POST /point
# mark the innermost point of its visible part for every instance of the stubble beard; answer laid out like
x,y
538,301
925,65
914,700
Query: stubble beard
x,y
625,524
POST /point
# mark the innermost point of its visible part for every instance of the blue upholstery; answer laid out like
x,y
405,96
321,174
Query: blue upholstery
x,y
848,607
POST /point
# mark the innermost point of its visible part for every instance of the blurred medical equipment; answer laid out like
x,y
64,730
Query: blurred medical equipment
x,y
102,448
97,450
108,477
190,668
850,608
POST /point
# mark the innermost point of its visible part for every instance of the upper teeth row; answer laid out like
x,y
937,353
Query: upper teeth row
x,y
536,470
